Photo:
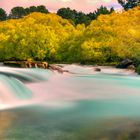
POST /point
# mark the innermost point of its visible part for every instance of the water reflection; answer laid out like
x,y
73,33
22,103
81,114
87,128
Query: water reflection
x,y
7,119
35,123
112,129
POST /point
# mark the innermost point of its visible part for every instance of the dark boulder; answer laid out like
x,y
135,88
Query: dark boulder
x,y
56,68
131,67
97,69
125,64
12,63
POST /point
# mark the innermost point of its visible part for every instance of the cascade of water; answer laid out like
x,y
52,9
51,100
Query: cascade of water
x,y
26,75
27,86
12,89
82,105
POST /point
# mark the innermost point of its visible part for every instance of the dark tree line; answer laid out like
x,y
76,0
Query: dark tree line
x,y
19,12
80,17
74,16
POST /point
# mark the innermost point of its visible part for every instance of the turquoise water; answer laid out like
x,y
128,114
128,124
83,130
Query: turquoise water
x,y
82,106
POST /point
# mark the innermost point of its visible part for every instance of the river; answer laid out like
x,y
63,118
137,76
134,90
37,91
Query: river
x,y
37,104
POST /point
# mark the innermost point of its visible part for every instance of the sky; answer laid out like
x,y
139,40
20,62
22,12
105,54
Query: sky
x,y
53,5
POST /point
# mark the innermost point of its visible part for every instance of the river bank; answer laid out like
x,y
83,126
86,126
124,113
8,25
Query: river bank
x,y
69,68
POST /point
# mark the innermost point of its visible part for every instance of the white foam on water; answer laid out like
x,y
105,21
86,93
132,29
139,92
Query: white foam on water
x,y
62,90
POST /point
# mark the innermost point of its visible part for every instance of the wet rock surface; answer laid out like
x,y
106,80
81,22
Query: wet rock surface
x,y
35,64
97,69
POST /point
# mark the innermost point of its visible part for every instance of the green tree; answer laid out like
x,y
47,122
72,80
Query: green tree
x,y
74,16
27,11
42,9
67,13
32,9
103,11
92,16
17,12
128,4
82,18
100,11
3,14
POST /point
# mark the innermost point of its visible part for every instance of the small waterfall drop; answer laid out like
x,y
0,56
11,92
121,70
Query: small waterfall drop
x,y
13,90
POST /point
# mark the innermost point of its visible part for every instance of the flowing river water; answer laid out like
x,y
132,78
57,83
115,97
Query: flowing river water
x,y
38,104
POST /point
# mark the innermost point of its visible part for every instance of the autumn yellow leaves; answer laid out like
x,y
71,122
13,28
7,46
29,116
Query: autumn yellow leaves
x,y
49,37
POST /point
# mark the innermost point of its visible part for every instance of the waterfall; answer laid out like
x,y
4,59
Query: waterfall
x,y
13,89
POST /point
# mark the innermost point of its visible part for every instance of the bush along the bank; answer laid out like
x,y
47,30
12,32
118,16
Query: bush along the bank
x,y
138,69
49,37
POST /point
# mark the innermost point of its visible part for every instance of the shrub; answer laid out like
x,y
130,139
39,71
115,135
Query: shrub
x,y
138,69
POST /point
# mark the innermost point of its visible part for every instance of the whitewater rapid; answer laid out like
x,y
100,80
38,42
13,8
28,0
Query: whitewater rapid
x,y
23,87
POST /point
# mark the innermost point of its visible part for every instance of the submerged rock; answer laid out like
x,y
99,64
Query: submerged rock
x,y
57,68
97,69
131,67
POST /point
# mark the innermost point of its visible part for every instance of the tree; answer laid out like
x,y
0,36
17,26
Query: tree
x,y
42,9
3,14
17,12
112,10
27,11
128,4
32,9
100,11
82,18
92,16
74,16
67,13
103,11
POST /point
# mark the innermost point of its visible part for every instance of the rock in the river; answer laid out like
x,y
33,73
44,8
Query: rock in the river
x,y
97,69
43,65
131,67
125,64
35,64
27,64
57,68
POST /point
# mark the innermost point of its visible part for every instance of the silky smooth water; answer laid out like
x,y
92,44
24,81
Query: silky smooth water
x,y
86,105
